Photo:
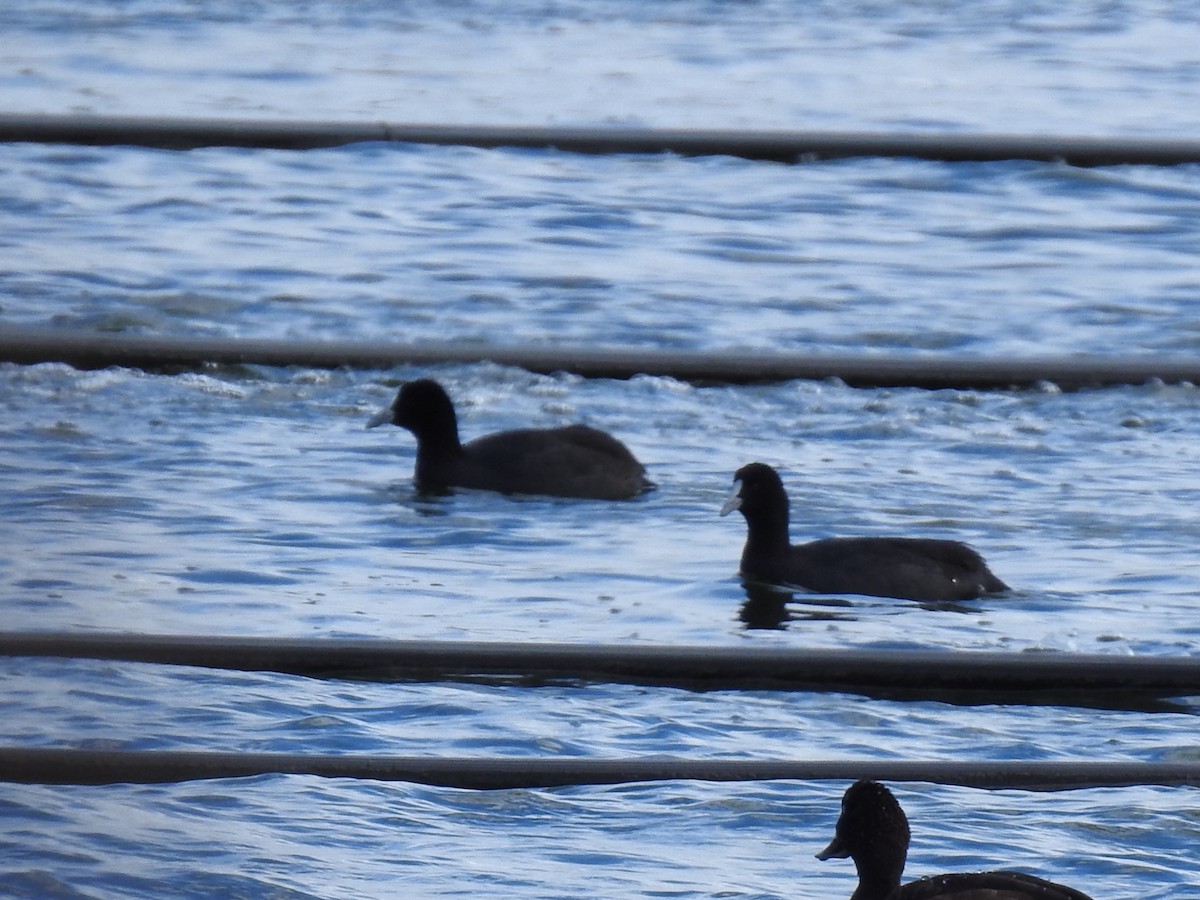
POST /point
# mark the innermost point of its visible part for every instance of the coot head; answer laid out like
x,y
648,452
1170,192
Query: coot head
x,y
873,830
425,409
759,494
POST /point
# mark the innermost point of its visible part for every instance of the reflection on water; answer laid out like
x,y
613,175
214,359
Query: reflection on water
x,y
770,606
766,606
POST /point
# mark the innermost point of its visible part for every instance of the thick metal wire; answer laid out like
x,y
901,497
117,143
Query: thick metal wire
x,y
966,677
62,766
96,350
775,146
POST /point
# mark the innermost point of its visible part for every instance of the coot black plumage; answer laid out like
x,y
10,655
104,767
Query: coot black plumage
x,y
907,568
575,461
873,831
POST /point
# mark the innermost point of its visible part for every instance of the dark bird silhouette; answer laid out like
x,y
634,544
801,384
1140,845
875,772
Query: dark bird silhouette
x,y
575,461
873,831
908,568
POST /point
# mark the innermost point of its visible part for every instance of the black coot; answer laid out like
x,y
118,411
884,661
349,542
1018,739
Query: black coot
x,y
908,568
575,461
873,831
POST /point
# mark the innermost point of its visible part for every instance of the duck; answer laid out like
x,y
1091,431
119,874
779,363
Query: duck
x,y
573,461
873,831
921,569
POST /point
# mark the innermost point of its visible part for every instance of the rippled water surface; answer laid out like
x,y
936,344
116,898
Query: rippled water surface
x,y
250,500
390,243
1002,65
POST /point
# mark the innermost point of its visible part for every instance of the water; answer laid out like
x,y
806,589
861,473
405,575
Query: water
x,y
410,244
1102,68
247,500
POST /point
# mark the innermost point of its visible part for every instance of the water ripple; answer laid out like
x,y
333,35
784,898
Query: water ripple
x,y
244,500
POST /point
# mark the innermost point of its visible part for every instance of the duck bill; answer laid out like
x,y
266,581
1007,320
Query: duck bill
x,y
380,418
734,500
835,850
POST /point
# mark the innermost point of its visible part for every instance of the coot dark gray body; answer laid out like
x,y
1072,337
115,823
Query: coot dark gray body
x,y
908,568
873,831
575,461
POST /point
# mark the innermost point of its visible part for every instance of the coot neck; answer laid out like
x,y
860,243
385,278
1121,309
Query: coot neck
x,y
767,530
877,876
874,885
441,438
437,440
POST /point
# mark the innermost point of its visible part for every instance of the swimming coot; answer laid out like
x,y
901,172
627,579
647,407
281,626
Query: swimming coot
x,y
575,461
873,831
907,568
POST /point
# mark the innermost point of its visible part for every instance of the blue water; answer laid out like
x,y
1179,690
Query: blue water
x,y
401,243
252,501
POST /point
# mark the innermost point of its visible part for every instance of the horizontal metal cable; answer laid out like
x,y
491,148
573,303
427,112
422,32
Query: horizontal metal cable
x,y
96,350
67,766
1027,678
776,146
